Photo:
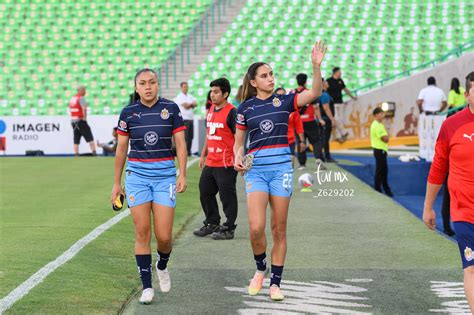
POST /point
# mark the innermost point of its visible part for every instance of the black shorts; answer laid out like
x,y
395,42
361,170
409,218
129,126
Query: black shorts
x,y
81,129
311,131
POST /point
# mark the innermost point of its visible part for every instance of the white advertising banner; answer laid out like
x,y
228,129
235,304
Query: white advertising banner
x,y
50,134
428,130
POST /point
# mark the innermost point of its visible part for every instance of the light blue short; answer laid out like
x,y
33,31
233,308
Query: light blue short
x,y
275,183
140,190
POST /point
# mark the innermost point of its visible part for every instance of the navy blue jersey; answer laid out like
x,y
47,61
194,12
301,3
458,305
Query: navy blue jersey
x,y
150,130
267,125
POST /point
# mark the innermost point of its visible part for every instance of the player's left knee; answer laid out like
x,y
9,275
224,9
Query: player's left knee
x,y
164,241
279,233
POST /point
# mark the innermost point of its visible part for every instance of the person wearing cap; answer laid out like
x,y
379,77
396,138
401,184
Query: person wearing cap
x,y
379,142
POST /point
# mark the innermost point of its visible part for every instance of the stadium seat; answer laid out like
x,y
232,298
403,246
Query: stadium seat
x,y
361,37
66,43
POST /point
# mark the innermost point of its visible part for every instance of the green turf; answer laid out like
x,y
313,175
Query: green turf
x,y
333,239
48,204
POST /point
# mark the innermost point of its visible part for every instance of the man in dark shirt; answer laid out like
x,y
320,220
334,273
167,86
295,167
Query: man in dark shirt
x,y
335,87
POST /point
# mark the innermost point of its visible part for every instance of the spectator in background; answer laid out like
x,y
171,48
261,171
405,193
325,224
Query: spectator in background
x,y
109,148
431,99
456,94
187,103
379,140
326,105
78,111
335,87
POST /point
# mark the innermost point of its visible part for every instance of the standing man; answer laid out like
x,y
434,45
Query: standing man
x,y
326,105
311,127
187,103
78,111
379,140
335,87
454,151
431,99
217,164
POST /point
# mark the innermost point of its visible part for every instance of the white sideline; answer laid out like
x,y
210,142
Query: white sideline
x,y
23,289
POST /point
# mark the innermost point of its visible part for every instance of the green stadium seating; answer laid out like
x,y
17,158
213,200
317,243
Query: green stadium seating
x,y
370,40
49,47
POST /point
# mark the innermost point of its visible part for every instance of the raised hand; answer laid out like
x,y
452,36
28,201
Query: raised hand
x,y
317,55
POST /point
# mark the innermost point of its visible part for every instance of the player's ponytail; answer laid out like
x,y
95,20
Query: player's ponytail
x,y
247,89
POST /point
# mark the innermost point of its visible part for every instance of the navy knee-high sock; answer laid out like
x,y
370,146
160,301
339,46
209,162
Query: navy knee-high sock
x,y
276,275
162,259
144,268
261,261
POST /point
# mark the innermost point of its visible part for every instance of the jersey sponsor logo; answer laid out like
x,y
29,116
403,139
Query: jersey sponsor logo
x,y
240,118
266,126
165,114
123,124
151,138
469,136
468,253
276,102
213,126
212,137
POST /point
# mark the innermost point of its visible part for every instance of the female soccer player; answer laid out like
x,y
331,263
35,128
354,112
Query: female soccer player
x,y
150,176
265,116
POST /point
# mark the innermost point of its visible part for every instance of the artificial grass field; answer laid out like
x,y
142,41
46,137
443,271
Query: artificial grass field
x,y
353,255
359,254
47,204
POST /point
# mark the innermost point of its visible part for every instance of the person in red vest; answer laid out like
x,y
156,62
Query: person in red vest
x,y
78,111
454,152
217,164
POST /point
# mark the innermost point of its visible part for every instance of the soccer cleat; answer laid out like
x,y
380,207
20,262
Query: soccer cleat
x,y
205,230
320,165
275,293
147,296
163,279
257,281
302,167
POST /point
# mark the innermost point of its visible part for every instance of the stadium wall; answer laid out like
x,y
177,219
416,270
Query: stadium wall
x,y
50,134
404,93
